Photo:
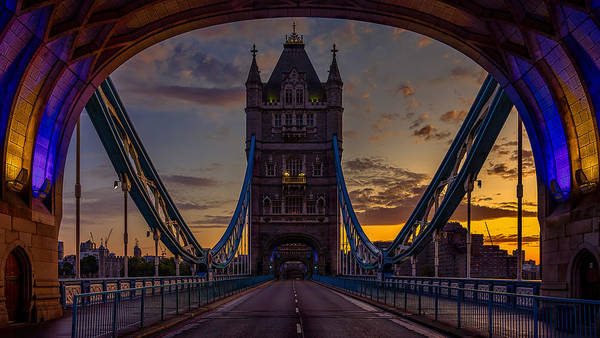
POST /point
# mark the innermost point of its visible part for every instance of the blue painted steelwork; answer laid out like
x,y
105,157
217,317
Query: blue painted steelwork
x,y
114,313
473,142
224,251
489,313
129,158
364,251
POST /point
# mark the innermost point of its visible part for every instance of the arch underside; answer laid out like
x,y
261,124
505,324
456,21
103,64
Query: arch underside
x,y
53,55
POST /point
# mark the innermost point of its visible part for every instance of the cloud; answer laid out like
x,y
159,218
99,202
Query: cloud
x,y
453,116
505,161
384,121
220,221
430,132
205,96
418,121
190,180
405,89
512,238
424,41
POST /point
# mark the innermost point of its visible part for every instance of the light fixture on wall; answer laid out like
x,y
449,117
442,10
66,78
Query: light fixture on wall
x,y
556,191
582,181
44,190
18,183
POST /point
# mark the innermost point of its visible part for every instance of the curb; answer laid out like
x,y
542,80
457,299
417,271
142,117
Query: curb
x,y
421,320
156,328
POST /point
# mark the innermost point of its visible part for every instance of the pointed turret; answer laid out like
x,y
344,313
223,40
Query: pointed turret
x,y
334,82
253,83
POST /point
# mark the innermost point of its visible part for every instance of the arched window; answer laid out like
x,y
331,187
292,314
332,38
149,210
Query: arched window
x,y
266,205
299,96
321,205
288,96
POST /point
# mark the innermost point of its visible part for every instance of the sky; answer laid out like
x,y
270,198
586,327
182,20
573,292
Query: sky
x,y
405,96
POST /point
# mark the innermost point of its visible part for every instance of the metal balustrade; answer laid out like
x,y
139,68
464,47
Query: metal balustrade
x,y
111,313
490,313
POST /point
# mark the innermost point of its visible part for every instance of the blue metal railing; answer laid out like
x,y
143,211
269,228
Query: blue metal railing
x,y
111,313
490,313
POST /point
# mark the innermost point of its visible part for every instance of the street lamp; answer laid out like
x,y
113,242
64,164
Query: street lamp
x,y
124,182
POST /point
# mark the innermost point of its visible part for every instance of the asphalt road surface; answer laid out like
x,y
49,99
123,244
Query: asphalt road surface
x,y
297,309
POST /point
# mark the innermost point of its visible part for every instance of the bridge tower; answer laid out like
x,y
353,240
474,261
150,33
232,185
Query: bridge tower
x,y
294,212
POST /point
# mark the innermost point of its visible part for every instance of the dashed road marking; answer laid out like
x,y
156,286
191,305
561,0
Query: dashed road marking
x,y
298,328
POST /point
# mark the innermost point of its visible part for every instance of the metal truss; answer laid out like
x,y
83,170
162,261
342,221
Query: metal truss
x,y
138,175
456,173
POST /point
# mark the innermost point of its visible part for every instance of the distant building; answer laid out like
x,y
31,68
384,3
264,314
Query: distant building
x,y
61,250
109,265
137,252
487,261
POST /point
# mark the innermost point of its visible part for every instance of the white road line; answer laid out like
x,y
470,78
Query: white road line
x,y
402,322
297,311
298,328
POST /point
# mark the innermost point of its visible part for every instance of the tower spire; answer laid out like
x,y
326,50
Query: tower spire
x,y
254,74
334,72
294,38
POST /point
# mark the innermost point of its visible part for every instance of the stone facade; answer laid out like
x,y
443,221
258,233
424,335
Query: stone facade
x,y
294,196
35,235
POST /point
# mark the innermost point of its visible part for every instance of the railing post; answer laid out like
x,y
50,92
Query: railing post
x,y
176,297
405,296
162,301
437,297
114,319
189,298
458,301
420,291
490,317
535,317
395,291
74,321
142,309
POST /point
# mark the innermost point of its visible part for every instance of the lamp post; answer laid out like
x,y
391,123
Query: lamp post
x,y
125,188
519,198
78,200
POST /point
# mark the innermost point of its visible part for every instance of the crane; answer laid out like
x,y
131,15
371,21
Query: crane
x,y
107,237
92,236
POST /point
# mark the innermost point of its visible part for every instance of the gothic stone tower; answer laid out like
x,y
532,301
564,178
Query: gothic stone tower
x,y
294,197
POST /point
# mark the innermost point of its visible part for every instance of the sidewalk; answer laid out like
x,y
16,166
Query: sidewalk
x,y
56,328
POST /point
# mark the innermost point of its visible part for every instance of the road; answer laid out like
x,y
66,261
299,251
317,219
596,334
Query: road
x,y
297,309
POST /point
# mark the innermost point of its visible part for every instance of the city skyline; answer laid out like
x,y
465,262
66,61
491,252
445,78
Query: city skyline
x,y
198,77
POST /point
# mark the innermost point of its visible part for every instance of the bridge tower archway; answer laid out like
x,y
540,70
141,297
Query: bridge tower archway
x,y
296,247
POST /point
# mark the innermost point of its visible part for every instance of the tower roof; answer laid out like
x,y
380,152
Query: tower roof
x,y
294,56
254,74
334,72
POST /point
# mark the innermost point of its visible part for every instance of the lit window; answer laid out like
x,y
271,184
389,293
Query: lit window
x,y
293,205
288,96
288,119
277,120
310,119
299,96
294,166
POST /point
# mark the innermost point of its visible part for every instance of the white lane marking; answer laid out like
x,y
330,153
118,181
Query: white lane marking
x,y
402,322
298,328
297,311
193,322
296,300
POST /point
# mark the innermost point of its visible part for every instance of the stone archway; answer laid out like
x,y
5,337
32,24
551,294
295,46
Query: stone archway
x,y
17,285
585,276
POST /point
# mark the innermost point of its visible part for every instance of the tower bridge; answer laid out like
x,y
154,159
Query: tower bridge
x,y
542,58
